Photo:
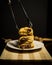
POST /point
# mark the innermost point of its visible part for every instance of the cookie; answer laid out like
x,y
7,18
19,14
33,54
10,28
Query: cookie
x,y
26,31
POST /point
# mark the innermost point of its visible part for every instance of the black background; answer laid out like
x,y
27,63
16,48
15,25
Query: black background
x,y
37,11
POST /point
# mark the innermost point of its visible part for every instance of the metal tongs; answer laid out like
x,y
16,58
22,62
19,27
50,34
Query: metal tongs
x,y
28,19
10,6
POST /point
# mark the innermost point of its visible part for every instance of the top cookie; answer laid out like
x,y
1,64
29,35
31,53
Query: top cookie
x,y
26,31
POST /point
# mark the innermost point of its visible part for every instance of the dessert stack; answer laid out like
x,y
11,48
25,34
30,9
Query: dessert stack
x,y
26,38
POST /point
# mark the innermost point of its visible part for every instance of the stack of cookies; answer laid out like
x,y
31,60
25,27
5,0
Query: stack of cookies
x,y
26,38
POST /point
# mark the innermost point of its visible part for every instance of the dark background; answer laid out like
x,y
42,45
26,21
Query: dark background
x,y
37,11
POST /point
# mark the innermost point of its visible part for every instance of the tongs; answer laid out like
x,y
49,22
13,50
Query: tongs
x,y
10,6
27,17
